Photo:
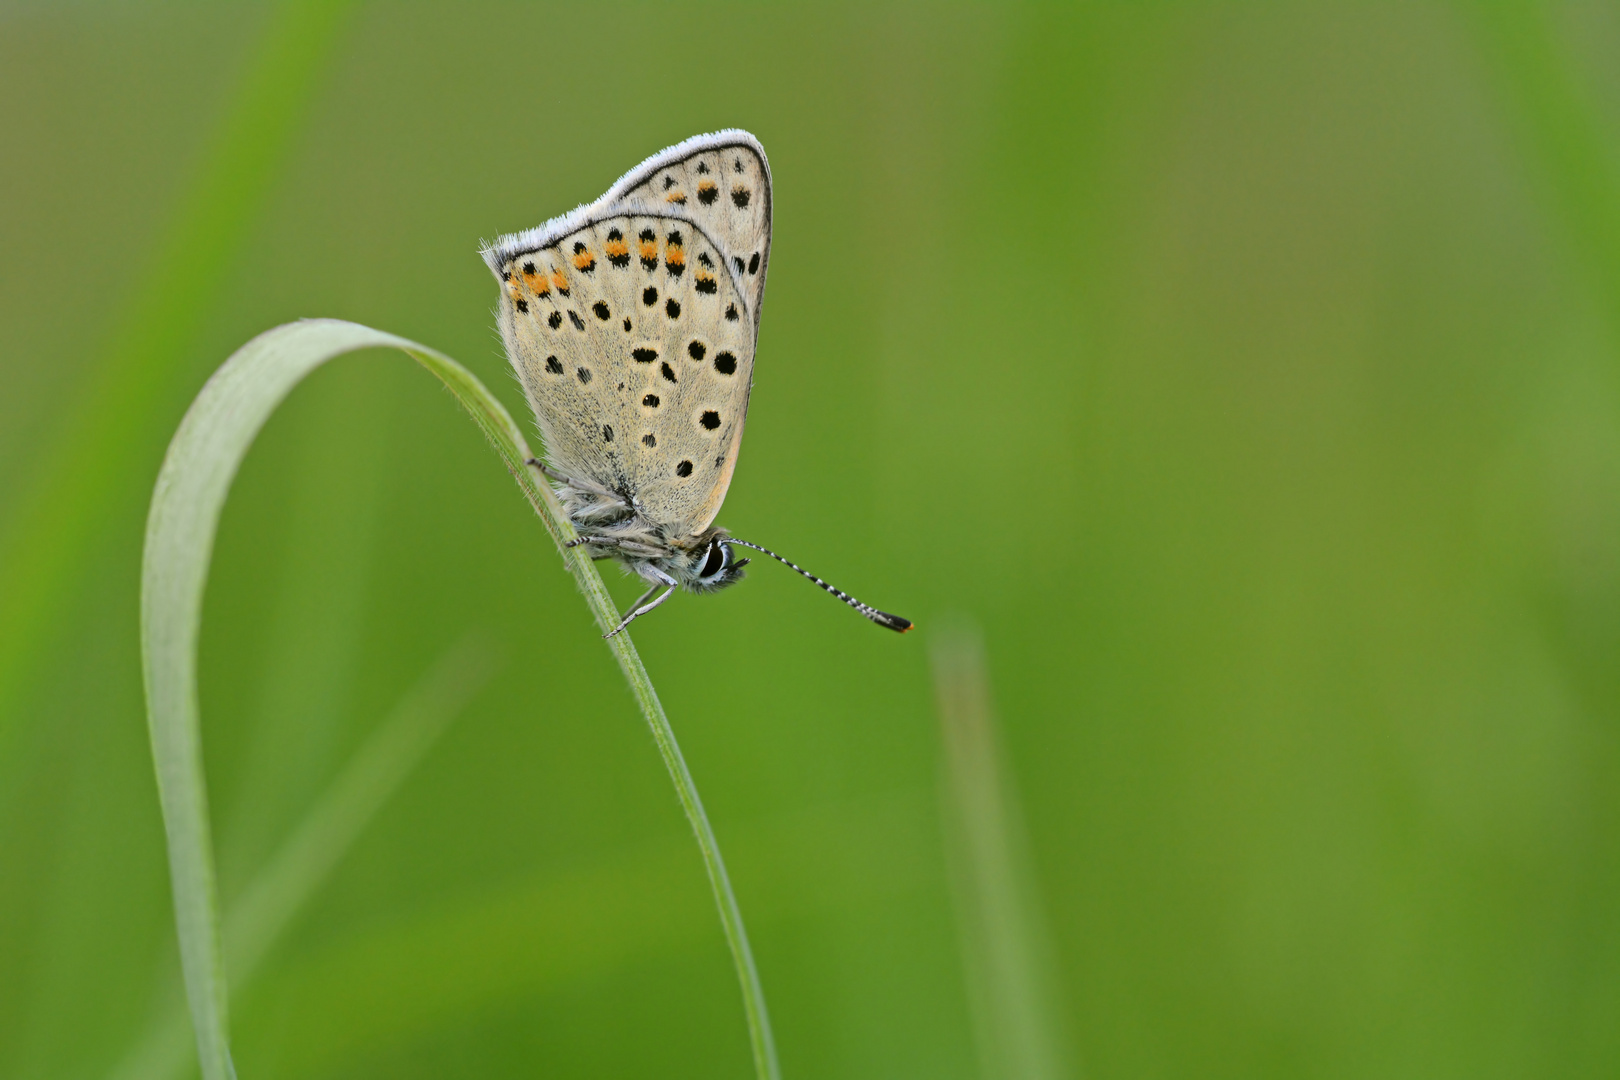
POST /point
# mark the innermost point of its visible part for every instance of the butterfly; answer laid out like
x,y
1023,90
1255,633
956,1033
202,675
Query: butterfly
x,y
631,323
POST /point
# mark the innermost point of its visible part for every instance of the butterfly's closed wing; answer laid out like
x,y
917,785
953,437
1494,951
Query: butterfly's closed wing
x,y
634,347
677,255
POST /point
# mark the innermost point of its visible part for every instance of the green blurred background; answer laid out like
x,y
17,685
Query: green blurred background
x,y
1247,373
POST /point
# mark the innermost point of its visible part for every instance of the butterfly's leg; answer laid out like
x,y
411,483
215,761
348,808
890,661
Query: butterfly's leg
x,y
642,606
629,546
646,596
581,485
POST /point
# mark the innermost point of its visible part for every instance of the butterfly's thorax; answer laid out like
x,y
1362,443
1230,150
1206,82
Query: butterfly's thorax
x,y
616,528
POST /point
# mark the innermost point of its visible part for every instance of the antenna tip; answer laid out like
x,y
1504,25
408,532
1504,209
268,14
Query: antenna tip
x,y
894,622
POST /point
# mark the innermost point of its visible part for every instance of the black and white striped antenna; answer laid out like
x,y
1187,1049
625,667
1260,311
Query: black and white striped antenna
x,y
882,618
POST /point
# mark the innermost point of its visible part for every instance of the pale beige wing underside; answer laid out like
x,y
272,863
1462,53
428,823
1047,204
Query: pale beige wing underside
x,y
635,347
725,190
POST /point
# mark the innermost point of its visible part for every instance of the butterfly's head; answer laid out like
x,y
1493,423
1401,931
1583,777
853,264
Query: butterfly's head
x,y
712,564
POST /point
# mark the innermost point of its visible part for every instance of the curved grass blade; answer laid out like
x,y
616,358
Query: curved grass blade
x,y
191,488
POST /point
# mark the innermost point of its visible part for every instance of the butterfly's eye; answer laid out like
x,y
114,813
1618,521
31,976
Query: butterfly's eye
x,y
719,558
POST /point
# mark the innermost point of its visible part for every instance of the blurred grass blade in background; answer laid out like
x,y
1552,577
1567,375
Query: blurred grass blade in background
x,y
277,893
1564,125
257,918
1004,944
94,459
202,460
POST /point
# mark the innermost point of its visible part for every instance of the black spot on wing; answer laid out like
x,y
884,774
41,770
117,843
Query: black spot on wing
x,y
600,308
725,363
684,469
554,365
644,356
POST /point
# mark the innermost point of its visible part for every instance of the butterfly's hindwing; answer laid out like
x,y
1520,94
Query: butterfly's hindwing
x,y
726,189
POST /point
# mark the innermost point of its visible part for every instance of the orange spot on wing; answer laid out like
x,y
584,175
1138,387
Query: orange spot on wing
x,y
584,261
617,249
676,197
674,256
559,281
649,250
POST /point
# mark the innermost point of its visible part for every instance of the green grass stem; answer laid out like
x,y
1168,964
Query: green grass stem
x,y
202,460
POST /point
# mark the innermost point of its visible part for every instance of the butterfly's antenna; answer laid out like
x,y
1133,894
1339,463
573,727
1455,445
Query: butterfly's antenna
x,y
882,618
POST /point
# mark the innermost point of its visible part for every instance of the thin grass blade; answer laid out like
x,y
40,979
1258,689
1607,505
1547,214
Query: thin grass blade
x,y
202,460
1004,944
315,846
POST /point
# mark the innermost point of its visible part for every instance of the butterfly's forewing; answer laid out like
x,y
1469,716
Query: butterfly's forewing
x,y
635,351
632,324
